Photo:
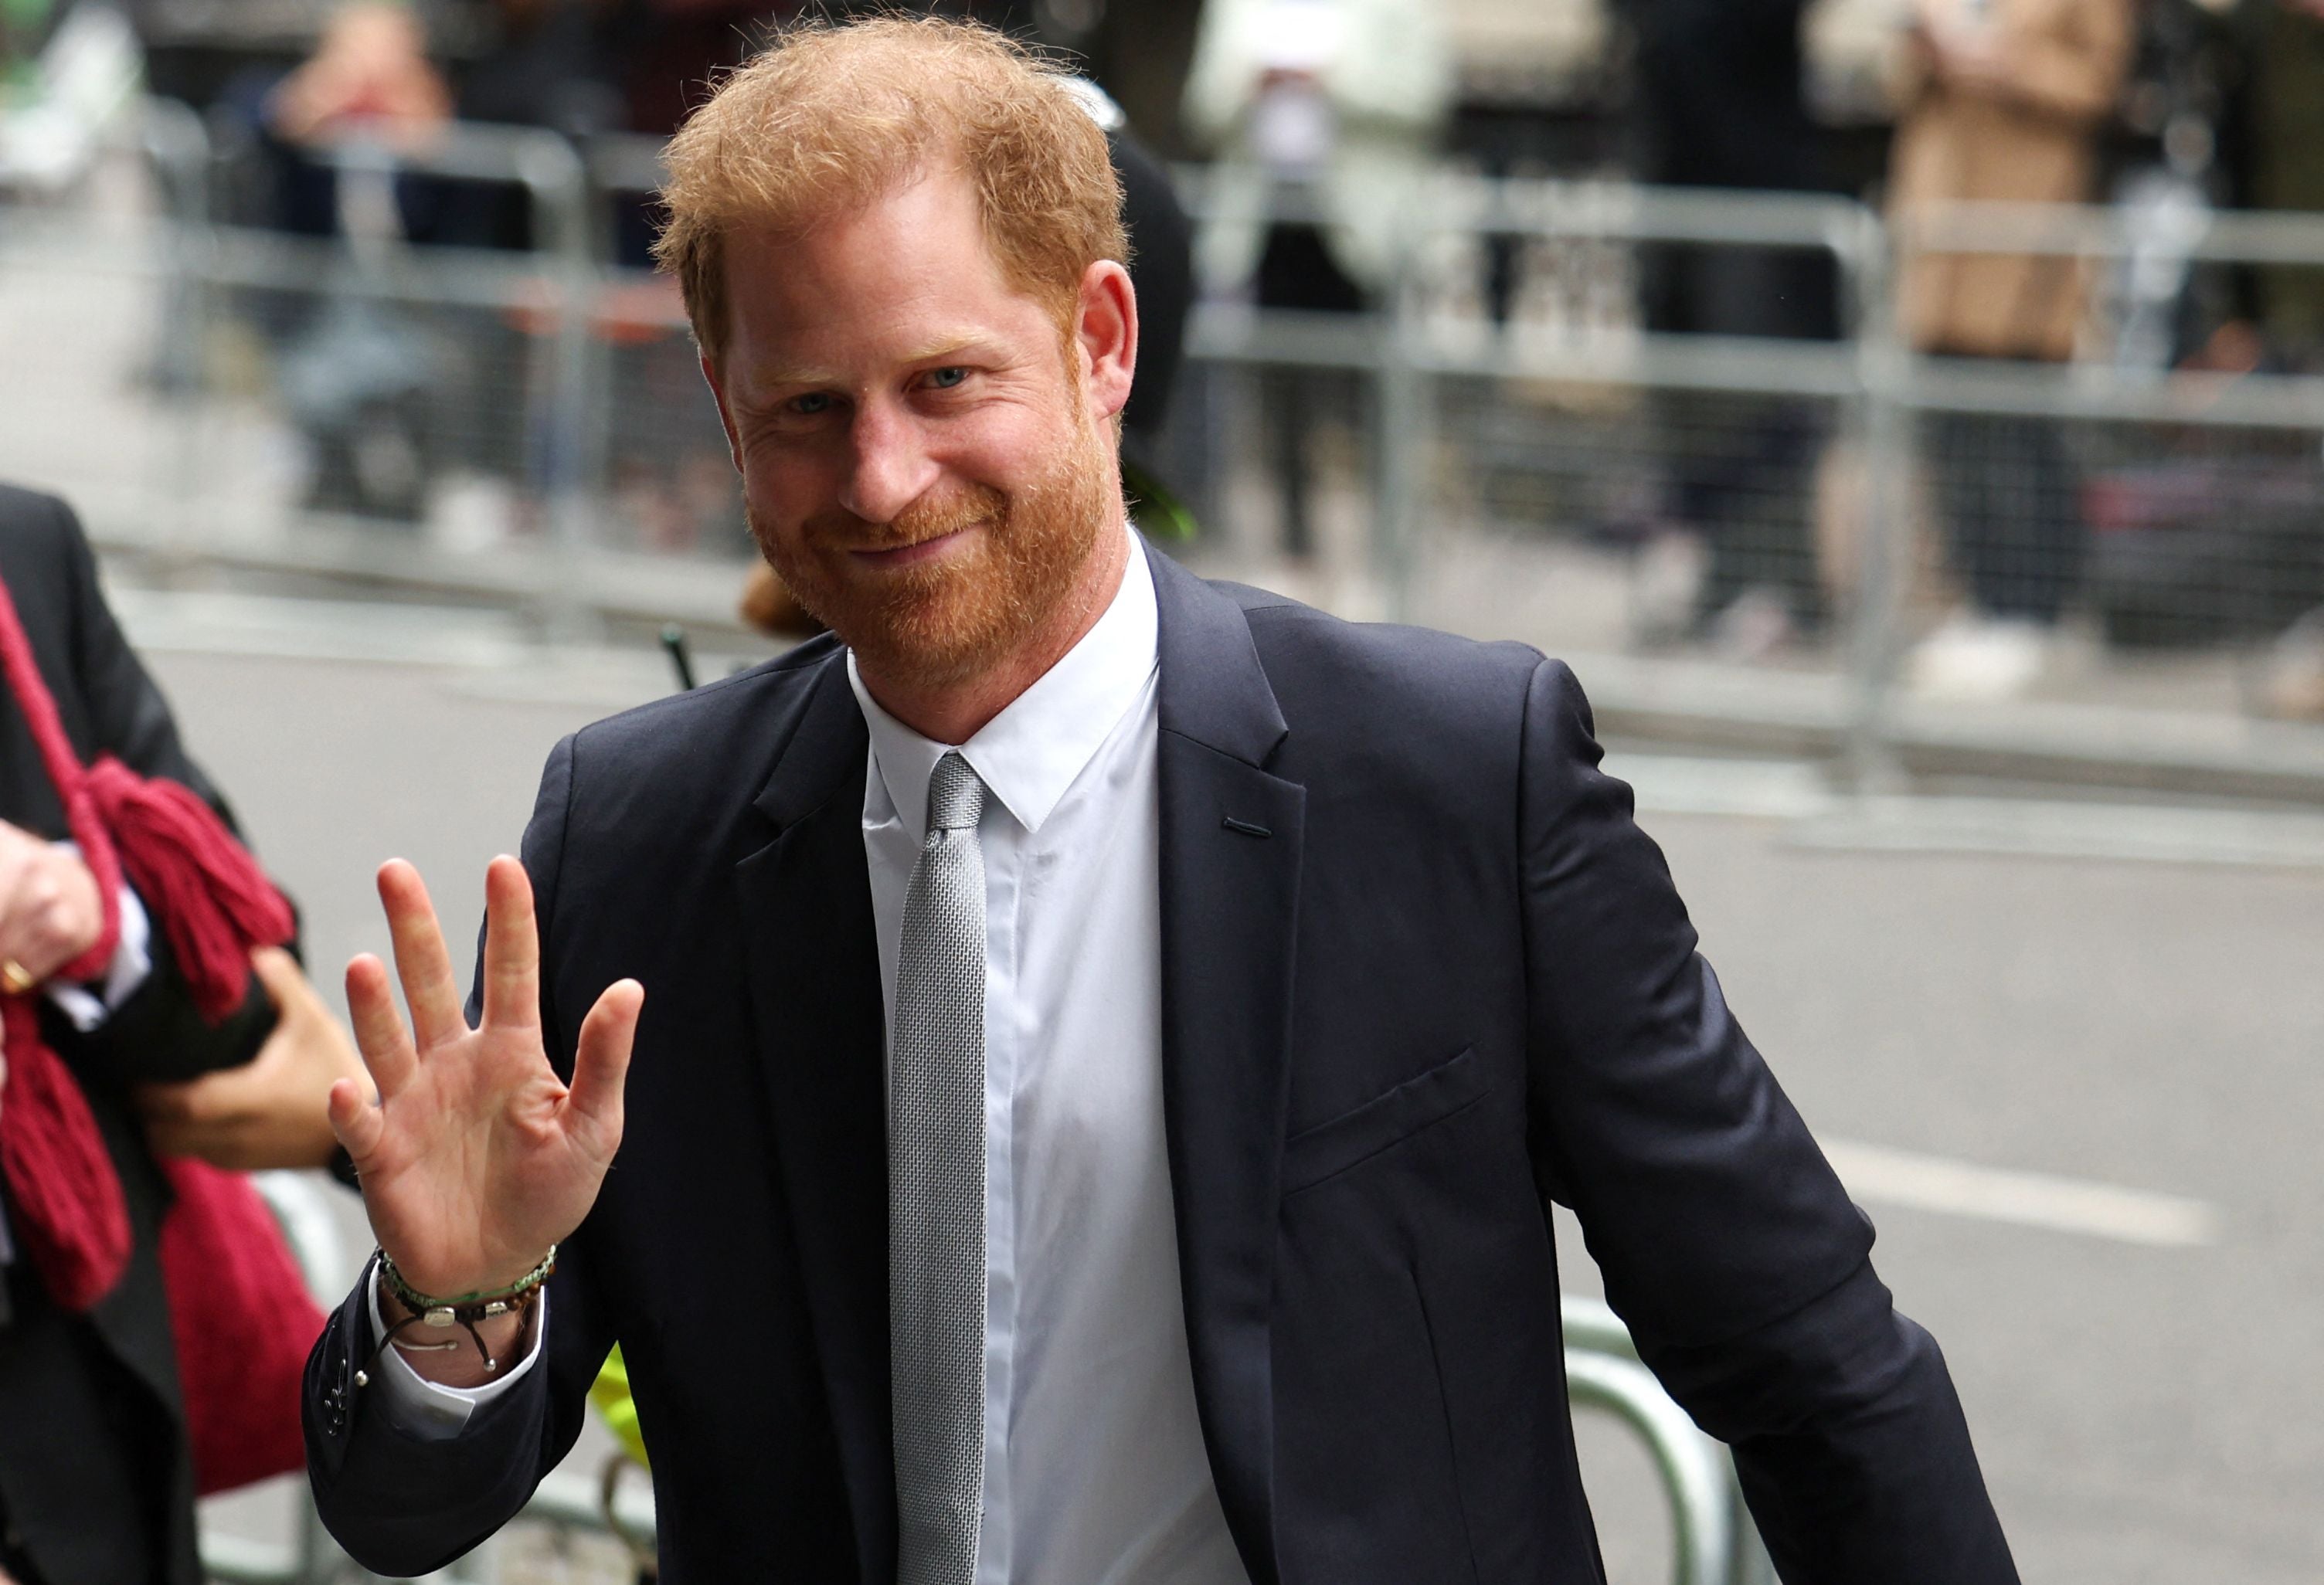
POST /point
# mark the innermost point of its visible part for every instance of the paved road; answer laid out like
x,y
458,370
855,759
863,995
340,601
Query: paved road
x,y
2144,1413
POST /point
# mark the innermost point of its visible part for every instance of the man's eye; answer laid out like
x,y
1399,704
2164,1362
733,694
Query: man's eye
x,y
813,402
947,378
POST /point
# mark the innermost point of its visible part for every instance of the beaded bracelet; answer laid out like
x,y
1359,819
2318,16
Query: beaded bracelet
x,y
465,1309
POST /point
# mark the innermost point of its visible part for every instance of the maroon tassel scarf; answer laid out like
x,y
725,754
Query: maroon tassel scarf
x,y
216,905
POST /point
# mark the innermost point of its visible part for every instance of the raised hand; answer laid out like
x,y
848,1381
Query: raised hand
x,y
477,1157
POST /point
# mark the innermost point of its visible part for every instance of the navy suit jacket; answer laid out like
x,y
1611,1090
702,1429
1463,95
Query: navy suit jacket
x,y
1422,975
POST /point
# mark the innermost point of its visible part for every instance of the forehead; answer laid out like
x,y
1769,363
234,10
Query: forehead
x,y
878,278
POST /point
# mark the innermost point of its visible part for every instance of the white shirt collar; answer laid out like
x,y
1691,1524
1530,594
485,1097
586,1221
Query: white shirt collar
x,y
1030,753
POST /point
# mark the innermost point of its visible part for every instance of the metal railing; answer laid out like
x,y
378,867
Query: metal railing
x,y
1870,521
1713,1541
1543,478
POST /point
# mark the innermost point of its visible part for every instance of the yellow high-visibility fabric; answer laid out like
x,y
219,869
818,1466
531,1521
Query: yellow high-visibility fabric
x,y
610,1393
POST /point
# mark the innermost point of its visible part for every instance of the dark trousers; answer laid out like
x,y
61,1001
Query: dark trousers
x,y
1296,270
1742,467
2013,517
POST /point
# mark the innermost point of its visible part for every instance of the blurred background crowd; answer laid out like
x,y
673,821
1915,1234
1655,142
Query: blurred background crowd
x,y
1713,510
2009,535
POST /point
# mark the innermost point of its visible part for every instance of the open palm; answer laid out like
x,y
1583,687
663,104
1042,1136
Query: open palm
x,y
477,1156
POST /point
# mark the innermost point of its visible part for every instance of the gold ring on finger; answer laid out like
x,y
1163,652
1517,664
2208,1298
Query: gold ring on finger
x,y
15,979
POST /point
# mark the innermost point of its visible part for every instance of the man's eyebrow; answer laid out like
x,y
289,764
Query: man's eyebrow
x,y
794,374
948,343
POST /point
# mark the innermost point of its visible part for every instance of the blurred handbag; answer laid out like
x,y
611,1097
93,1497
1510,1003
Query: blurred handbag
x,y
240,1312
2204,551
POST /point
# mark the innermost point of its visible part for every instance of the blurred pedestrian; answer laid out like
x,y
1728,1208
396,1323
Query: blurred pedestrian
x,y
1327,112
2285,149
1719,101
103,1081
2003,101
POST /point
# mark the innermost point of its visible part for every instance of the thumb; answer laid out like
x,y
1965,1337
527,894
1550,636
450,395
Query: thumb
x,y
355,1121
601,1063
285,982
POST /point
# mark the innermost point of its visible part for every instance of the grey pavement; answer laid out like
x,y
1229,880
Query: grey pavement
x,y
2146,1414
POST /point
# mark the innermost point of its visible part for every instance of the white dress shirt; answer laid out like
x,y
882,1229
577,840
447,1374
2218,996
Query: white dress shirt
x,y
1095,1471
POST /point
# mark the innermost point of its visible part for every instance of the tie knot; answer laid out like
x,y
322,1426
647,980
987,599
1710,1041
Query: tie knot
x,y
955,796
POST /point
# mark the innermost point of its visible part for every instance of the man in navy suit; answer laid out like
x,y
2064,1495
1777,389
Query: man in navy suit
x,y
1064,1080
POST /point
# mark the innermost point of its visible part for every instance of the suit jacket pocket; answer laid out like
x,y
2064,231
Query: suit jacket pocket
x,y
1388,1119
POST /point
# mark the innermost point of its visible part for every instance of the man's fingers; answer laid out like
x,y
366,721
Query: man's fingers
x,y
421,961
356,1123
511,948
379,1029
601,1063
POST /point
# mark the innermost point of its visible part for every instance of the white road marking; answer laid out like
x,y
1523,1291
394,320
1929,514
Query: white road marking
x,y
2067,829
1879,1176
1799,796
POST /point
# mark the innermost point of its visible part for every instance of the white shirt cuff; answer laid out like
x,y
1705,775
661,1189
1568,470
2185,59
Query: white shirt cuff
x,y
89,1005
427,1409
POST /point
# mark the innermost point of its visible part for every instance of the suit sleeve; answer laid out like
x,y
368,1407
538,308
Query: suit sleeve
x,y
1726,1242
156,1033
402,1499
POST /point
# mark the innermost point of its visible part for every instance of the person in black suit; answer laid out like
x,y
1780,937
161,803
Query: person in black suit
x,y
1718,102
96,1484
1064,1079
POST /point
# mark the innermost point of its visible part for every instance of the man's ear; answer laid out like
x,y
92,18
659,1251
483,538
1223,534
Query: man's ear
x,y
1106,332
725,419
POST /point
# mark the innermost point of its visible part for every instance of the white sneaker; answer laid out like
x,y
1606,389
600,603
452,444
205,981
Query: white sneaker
x,y
1977,658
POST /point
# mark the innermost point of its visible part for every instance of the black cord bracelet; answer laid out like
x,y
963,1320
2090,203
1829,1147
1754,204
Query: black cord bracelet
x,y
463,1311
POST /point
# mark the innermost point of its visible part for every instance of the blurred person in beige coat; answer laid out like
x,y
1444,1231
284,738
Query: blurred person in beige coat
x,y
2002,101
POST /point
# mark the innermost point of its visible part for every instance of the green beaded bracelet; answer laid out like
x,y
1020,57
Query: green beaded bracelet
x,y
464,1311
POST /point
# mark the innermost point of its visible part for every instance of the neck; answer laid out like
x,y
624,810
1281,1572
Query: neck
x,y
957,711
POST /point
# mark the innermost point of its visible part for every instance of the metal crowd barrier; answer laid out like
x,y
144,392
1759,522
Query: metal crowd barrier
x,y
1739,539
1855,478
1713,1541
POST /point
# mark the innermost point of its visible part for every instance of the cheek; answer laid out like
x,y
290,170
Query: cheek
x,y
1010,445
786,484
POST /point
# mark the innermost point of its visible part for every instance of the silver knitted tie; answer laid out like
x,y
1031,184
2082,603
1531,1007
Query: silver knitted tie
x,y
935,1192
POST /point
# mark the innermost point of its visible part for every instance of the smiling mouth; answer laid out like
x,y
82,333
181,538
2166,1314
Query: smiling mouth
x,y
910,555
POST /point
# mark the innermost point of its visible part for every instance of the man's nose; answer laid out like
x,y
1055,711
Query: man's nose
x,y
890,466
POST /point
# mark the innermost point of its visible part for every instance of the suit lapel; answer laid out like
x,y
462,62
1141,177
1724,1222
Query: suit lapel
x,y
820,1019
1230,840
